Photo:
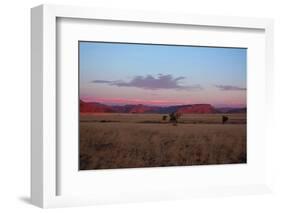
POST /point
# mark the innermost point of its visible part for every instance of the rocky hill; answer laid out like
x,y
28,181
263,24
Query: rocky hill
x,y
197,108
94,107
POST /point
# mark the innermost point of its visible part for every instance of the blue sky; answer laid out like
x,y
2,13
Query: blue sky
x,y
118,73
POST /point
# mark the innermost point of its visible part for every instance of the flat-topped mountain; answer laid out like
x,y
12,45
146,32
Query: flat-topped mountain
x,y
197,108
95,107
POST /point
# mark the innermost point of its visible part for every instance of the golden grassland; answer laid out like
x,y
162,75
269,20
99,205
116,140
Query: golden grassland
x,y
110,140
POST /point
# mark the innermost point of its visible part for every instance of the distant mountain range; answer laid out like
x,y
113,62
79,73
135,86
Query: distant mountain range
x,y
95,107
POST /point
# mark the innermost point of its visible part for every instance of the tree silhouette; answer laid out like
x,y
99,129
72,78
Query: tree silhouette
x,y
224,119
174,116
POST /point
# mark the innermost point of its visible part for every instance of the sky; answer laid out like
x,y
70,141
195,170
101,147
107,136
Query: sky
x,y
162,75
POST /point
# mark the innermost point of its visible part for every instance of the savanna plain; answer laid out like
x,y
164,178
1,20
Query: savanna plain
x,y
128,140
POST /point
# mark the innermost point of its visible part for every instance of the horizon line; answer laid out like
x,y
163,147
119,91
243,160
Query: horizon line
x,y
168,105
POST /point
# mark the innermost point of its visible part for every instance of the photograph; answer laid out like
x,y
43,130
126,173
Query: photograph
x,y
161,105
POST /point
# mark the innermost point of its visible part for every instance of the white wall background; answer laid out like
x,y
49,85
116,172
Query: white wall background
x,y
15,103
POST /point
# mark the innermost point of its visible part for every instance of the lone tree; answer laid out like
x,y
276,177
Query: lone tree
x,y
174,116
224,119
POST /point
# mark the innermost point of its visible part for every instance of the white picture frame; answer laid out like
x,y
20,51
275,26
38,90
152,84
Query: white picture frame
x,y
44,153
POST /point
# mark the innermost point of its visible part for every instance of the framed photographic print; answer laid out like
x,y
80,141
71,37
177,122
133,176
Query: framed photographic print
x,y
130,106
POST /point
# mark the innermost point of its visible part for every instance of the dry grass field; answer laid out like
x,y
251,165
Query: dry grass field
x,y
112,140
